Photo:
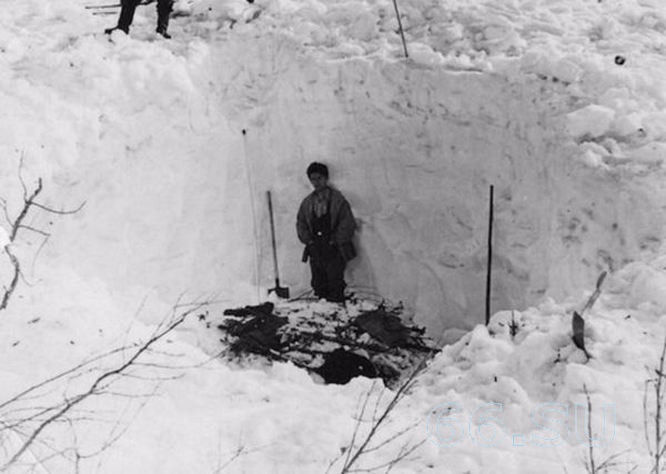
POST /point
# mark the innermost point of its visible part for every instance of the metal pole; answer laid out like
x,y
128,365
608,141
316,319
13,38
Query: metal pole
x,y
253,209
402,34
490,254
275,262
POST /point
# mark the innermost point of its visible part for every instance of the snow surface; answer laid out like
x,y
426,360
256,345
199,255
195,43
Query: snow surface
x,y
532,96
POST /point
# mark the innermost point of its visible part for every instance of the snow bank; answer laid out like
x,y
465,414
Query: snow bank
x,y
149,134
558,104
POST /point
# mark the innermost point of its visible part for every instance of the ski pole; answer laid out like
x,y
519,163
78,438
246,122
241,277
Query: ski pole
x,y
490,255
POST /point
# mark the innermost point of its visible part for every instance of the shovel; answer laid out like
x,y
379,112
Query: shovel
x,y
279,291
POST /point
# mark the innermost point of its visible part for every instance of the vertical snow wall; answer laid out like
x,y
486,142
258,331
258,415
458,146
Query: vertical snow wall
x,y
176,193
415,149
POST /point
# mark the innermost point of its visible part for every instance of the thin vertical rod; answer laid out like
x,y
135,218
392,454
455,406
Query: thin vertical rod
x,y
253,209
490,254
402,34
275,261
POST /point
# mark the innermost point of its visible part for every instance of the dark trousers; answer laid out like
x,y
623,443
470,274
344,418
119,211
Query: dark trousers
x,y
328,271
164,8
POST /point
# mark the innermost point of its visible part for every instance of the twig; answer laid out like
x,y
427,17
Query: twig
x,y
27,202
12,284
17,224
59,376
61,212
404,387
3,204
358,423
611,461
98,384
657,447
660,396
402,34
37,231
591,468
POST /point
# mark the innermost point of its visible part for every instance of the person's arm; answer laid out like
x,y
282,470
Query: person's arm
x,y
302,227
346,224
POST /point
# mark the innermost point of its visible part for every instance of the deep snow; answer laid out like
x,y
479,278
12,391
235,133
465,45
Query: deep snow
x,y
526,95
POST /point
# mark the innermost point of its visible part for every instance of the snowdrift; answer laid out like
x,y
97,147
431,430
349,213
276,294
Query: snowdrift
x,y
150,134
558,104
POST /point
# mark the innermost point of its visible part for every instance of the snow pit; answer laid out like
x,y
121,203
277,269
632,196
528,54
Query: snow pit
x,y
176,191
526,95
150,136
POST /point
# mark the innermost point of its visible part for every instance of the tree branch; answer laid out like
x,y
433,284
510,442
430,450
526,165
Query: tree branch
x,y
12,284
61,212
98,384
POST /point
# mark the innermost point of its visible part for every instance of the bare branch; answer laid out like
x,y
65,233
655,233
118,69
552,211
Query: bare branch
x,y
20,175
38,252
645,418
97,385
393,437
358,423
3,204
591,466
378,422
37,231
12,284
61,212
28,201
611,460
59,376
657,445
402,454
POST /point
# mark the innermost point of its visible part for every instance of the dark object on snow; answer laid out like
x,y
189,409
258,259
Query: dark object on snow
x,y
578,326
324,344
128,7
384,327
489,265
620,60
597,291
340,366
258,335
577,321
281,292
258,310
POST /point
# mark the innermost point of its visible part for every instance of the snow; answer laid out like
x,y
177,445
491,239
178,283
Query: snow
x,y
529,95
593,120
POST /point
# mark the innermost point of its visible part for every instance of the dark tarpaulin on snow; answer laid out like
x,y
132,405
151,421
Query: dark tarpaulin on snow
x,y
375,343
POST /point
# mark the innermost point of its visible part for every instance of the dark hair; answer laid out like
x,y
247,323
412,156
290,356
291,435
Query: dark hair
x,y
316,167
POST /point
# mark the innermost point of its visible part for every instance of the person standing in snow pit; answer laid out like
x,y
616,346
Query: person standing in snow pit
x,y
326,225
127,9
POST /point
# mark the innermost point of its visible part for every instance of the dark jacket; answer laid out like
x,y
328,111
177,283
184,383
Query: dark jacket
x,y
343,223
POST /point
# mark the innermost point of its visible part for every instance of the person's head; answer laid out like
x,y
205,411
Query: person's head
x,y
318,175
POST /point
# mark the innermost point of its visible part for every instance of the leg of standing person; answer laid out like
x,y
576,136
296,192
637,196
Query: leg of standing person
x,y
335,276
319,281
127,9
164,8
127,14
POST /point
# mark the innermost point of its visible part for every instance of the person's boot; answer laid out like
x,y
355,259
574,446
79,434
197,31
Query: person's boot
x,y
128,7
127,14
162,31
163,13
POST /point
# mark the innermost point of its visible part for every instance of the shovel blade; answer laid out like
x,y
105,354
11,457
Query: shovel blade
x,y
280,291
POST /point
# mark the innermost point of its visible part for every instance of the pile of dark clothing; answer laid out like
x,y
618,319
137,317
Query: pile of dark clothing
x,y
330,343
